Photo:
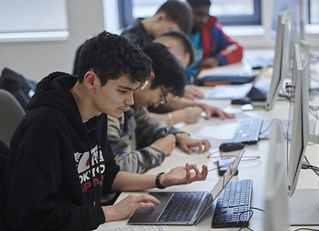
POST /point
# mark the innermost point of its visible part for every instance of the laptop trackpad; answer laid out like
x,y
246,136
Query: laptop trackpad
x,y
150,215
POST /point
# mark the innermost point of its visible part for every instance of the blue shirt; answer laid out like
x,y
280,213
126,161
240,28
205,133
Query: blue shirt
x,y
192,69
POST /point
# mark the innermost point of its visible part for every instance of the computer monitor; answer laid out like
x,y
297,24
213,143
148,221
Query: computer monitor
x,y
303,203
295,34
298,116
302,12
281,59
275,188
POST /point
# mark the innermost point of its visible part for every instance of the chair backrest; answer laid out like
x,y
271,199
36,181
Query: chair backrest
x,y
11,113
4,152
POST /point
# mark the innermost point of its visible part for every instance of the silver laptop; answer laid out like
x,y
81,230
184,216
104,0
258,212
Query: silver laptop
x,y
183,208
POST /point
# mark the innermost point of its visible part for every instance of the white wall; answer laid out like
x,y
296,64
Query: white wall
x,y
36,60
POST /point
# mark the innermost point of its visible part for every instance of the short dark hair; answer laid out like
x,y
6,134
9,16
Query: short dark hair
x,y
196,3
111,56
178,12
184,40
166,68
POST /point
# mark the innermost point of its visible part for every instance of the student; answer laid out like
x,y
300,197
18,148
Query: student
x,y
182,109
212,46
166,19
182,48
145,30
60,161
140,142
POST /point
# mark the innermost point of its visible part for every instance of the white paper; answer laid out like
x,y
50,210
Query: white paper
x,y
220,131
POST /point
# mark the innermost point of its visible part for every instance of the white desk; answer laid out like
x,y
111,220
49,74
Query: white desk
x,y
255,170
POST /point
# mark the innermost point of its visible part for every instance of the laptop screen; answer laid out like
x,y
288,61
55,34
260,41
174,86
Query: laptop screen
x,y
227,176
223,180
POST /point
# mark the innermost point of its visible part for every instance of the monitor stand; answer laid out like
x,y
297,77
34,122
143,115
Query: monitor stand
x,y
304,207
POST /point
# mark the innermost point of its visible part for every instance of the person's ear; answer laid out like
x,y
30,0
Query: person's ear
x,y
89,79
169,45
160,17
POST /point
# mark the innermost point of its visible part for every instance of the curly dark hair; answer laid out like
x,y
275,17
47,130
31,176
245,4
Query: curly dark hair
x,y
178,12
166,68
111,56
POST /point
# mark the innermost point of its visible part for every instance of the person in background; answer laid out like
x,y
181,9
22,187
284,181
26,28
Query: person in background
x,y
182,48
180,109
60,161
145,30
140,142
213,47
172,15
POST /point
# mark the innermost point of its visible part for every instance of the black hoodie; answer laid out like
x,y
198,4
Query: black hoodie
x,y
48,176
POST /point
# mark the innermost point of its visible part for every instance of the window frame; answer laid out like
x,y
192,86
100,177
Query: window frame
x,y
243,20
126,15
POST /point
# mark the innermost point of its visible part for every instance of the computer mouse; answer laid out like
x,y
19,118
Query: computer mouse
x,y
257,67
230,146
241,101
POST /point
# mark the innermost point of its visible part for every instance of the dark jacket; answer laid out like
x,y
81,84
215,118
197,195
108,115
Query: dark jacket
x,y
137,33
58,165
211,41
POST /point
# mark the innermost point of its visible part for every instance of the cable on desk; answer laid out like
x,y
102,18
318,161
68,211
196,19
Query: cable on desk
x,y
245,225
308,162
251,213
307,165
257,209
249,158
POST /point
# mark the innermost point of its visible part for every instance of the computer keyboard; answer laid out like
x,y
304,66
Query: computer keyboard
x,y
233,204
181,207
247,130
135,228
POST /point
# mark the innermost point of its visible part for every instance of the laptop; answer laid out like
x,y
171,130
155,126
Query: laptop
x,y
255,91
226,79
238,73
201,202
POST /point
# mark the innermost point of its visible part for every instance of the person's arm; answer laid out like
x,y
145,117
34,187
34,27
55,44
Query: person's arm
x,y
125,181
150,129
188,144
193,92
128,159
187,115
176,103
228,50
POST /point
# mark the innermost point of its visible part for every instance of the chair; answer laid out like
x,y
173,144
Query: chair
x,y
11,113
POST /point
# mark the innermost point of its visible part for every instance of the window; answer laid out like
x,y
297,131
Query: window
x,y
313,13
32,20
231,12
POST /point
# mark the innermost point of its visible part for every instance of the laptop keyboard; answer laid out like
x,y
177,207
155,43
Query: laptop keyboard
x,y
233,204
135,228
247,131
181,207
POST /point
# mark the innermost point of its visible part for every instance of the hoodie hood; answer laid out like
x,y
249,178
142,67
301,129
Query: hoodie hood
x,y
54,91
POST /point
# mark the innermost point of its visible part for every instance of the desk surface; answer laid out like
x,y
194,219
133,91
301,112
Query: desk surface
x,y
255,170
